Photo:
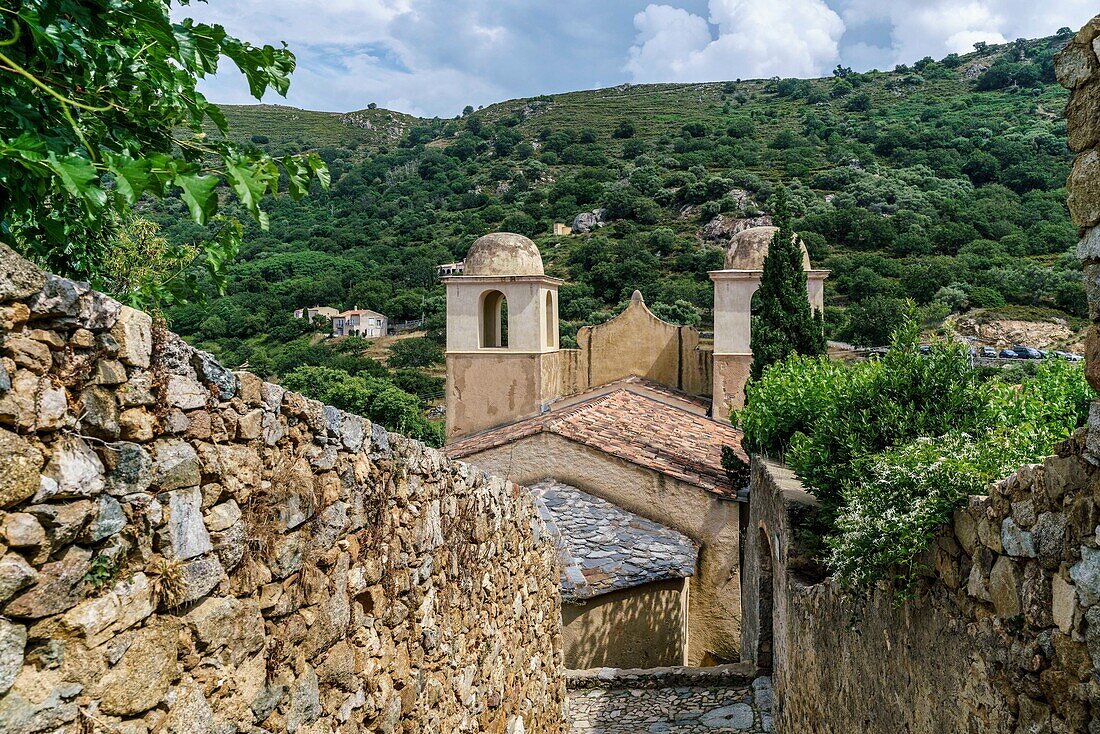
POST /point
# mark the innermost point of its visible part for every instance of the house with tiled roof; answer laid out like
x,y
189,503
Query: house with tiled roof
x,y
622,442
360,322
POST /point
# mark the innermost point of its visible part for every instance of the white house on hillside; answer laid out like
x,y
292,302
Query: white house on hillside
x,y
360,322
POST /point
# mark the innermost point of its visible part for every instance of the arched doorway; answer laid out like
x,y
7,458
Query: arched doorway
x,y
765,600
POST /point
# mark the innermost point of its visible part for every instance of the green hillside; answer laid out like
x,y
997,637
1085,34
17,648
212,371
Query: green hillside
x,y
285,127
940,182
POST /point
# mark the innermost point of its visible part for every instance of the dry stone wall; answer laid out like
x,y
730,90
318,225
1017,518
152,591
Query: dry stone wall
x,y
188,549
1003,635
1078,70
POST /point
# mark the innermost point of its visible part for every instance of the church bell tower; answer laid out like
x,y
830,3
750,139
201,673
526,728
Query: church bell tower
x,y
502,336
734,288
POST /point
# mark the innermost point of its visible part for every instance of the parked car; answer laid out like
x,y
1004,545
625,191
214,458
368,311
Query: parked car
x,y
989,353
1068,356
1008,354
1026,352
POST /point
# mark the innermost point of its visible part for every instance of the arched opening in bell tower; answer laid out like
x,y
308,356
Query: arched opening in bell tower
x,y
551,322
494,321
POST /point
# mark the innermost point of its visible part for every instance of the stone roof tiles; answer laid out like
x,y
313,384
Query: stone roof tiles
x,y
604,548
632,424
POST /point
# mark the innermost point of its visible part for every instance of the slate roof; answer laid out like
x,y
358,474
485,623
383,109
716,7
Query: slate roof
x,y
631,420
604,548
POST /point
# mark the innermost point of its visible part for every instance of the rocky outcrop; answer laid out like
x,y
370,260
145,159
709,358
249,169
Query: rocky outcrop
x,y
586,222
722,228
188,549
1048,333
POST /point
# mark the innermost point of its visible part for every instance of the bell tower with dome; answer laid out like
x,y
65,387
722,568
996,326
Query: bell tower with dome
x,y
502,335
734,288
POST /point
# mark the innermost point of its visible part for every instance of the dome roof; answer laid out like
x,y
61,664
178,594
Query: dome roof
x,y
747,249
503,253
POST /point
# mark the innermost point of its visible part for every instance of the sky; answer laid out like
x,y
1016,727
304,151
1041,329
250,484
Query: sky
x,y
434,57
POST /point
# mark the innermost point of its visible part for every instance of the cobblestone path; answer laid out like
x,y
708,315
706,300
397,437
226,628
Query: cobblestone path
x,y
672,710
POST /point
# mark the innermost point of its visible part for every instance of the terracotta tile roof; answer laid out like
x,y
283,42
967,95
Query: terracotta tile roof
x,y
664,391
631,425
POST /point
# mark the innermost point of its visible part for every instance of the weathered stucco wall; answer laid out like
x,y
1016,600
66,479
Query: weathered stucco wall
x,y
637,343
186,549
1003,634
642,627
714,619
731,374
490,387
496,387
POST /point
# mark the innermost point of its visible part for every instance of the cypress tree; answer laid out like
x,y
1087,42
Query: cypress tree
x,y
783,323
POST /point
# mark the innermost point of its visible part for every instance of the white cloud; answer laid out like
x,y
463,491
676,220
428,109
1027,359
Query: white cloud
x,y
939,27
668,38
755,38
433,57
427,57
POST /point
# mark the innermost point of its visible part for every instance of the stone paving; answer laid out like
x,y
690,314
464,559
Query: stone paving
x,y
672,710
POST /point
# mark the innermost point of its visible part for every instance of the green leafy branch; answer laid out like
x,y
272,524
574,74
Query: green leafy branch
x,y
96,96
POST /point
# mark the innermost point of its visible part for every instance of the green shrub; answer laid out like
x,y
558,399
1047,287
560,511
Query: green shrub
x,y
416,352
679,312
787,400
899,398
985,297
892,446
372,397
905,495
425,387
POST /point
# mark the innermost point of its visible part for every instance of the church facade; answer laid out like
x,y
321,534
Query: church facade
x,y
621,440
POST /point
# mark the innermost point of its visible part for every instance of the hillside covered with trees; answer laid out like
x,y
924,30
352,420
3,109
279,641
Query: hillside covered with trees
x,y
939,182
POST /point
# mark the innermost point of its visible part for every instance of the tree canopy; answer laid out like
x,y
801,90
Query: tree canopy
x,y
783,322
101,108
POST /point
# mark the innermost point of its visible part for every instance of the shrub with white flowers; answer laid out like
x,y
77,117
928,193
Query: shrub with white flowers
x,y
891,447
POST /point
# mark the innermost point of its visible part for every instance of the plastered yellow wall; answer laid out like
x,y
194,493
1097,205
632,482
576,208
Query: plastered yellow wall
x,y
642,627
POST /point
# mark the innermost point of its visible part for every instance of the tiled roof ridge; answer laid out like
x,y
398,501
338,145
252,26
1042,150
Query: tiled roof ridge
x,y
573,410
668,460
558,416
687,455
660,387
538,423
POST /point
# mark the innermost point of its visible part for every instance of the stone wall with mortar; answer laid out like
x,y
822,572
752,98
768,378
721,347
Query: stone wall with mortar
x,y
188,549
1002,635
714,700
